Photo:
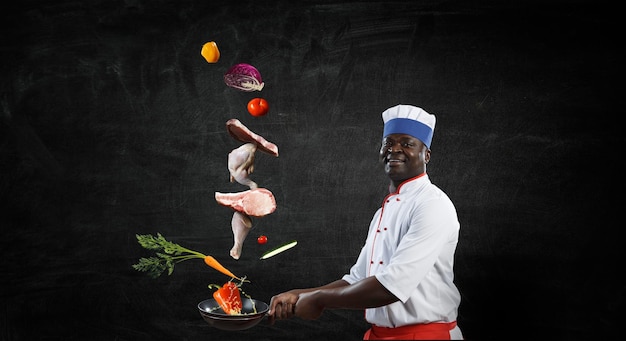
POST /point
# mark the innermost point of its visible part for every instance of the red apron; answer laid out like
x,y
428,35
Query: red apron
x,y
427,331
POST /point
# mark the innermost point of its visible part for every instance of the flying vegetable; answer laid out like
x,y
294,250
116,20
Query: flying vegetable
x,y
169,254
244,77
228,296
210,52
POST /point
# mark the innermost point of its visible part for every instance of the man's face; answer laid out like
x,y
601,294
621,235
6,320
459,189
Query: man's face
x,y
403,156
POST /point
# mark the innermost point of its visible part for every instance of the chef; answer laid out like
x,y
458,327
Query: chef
x,y
403,277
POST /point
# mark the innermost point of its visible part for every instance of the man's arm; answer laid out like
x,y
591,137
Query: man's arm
x,y
282,306
367,293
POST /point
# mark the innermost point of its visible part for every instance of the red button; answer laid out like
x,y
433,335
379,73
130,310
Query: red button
x,y
381,262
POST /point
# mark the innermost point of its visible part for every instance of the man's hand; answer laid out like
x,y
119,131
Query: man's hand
x,y
307,304
282,306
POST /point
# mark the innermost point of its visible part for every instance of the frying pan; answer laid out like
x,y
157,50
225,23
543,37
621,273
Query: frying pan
x,y
216,317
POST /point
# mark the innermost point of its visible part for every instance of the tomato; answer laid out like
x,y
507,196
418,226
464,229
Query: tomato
x,y
258,107
262,239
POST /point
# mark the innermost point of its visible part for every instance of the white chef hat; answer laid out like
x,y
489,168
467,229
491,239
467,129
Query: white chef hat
x,y
410,120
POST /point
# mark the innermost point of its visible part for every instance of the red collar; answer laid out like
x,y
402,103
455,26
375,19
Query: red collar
x,y
406,181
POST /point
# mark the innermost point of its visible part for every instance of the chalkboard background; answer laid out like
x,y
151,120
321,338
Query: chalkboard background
x,y
113,124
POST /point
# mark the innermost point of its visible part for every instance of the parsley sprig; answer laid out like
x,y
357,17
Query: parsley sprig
x,y
168,254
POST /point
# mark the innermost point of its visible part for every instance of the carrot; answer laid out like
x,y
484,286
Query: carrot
x,y
169,254
212,262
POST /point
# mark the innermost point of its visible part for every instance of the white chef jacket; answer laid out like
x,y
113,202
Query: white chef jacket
x,y
410,249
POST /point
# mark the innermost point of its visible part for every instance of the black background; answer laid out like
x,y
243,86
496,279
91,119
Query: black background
x,y
113,124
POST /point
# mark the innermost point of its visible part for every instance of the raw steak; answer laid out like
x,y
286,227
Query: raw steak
x,y
241,165
256,202
241,224
240,132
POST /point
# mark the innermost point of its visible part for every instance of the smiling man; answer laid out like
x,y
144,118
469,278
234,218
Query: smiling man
x,y
407,135
403,276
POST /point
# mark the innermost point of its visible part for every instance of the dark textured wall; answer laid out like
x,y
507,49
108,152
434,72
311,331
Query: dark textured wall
x,y
112,124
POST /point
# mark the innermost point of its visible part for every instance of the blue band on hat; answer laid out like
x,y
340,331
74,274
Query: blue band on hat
x,y
410,127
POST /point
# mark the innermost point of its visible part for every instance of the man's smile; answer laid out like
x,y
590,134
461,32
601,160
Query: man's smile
x,y
394,161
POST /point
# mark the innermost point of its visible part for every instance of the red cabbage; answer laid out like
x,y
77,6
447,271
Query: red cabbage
x,y
244,77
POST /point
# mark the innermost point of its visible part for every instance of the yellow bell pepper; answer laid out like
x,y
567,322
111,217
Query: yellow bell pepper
x,y
210,52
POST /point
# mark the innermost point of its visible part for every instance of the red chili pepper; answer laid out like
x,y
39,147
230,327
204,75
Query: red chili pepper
x,y
229,298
